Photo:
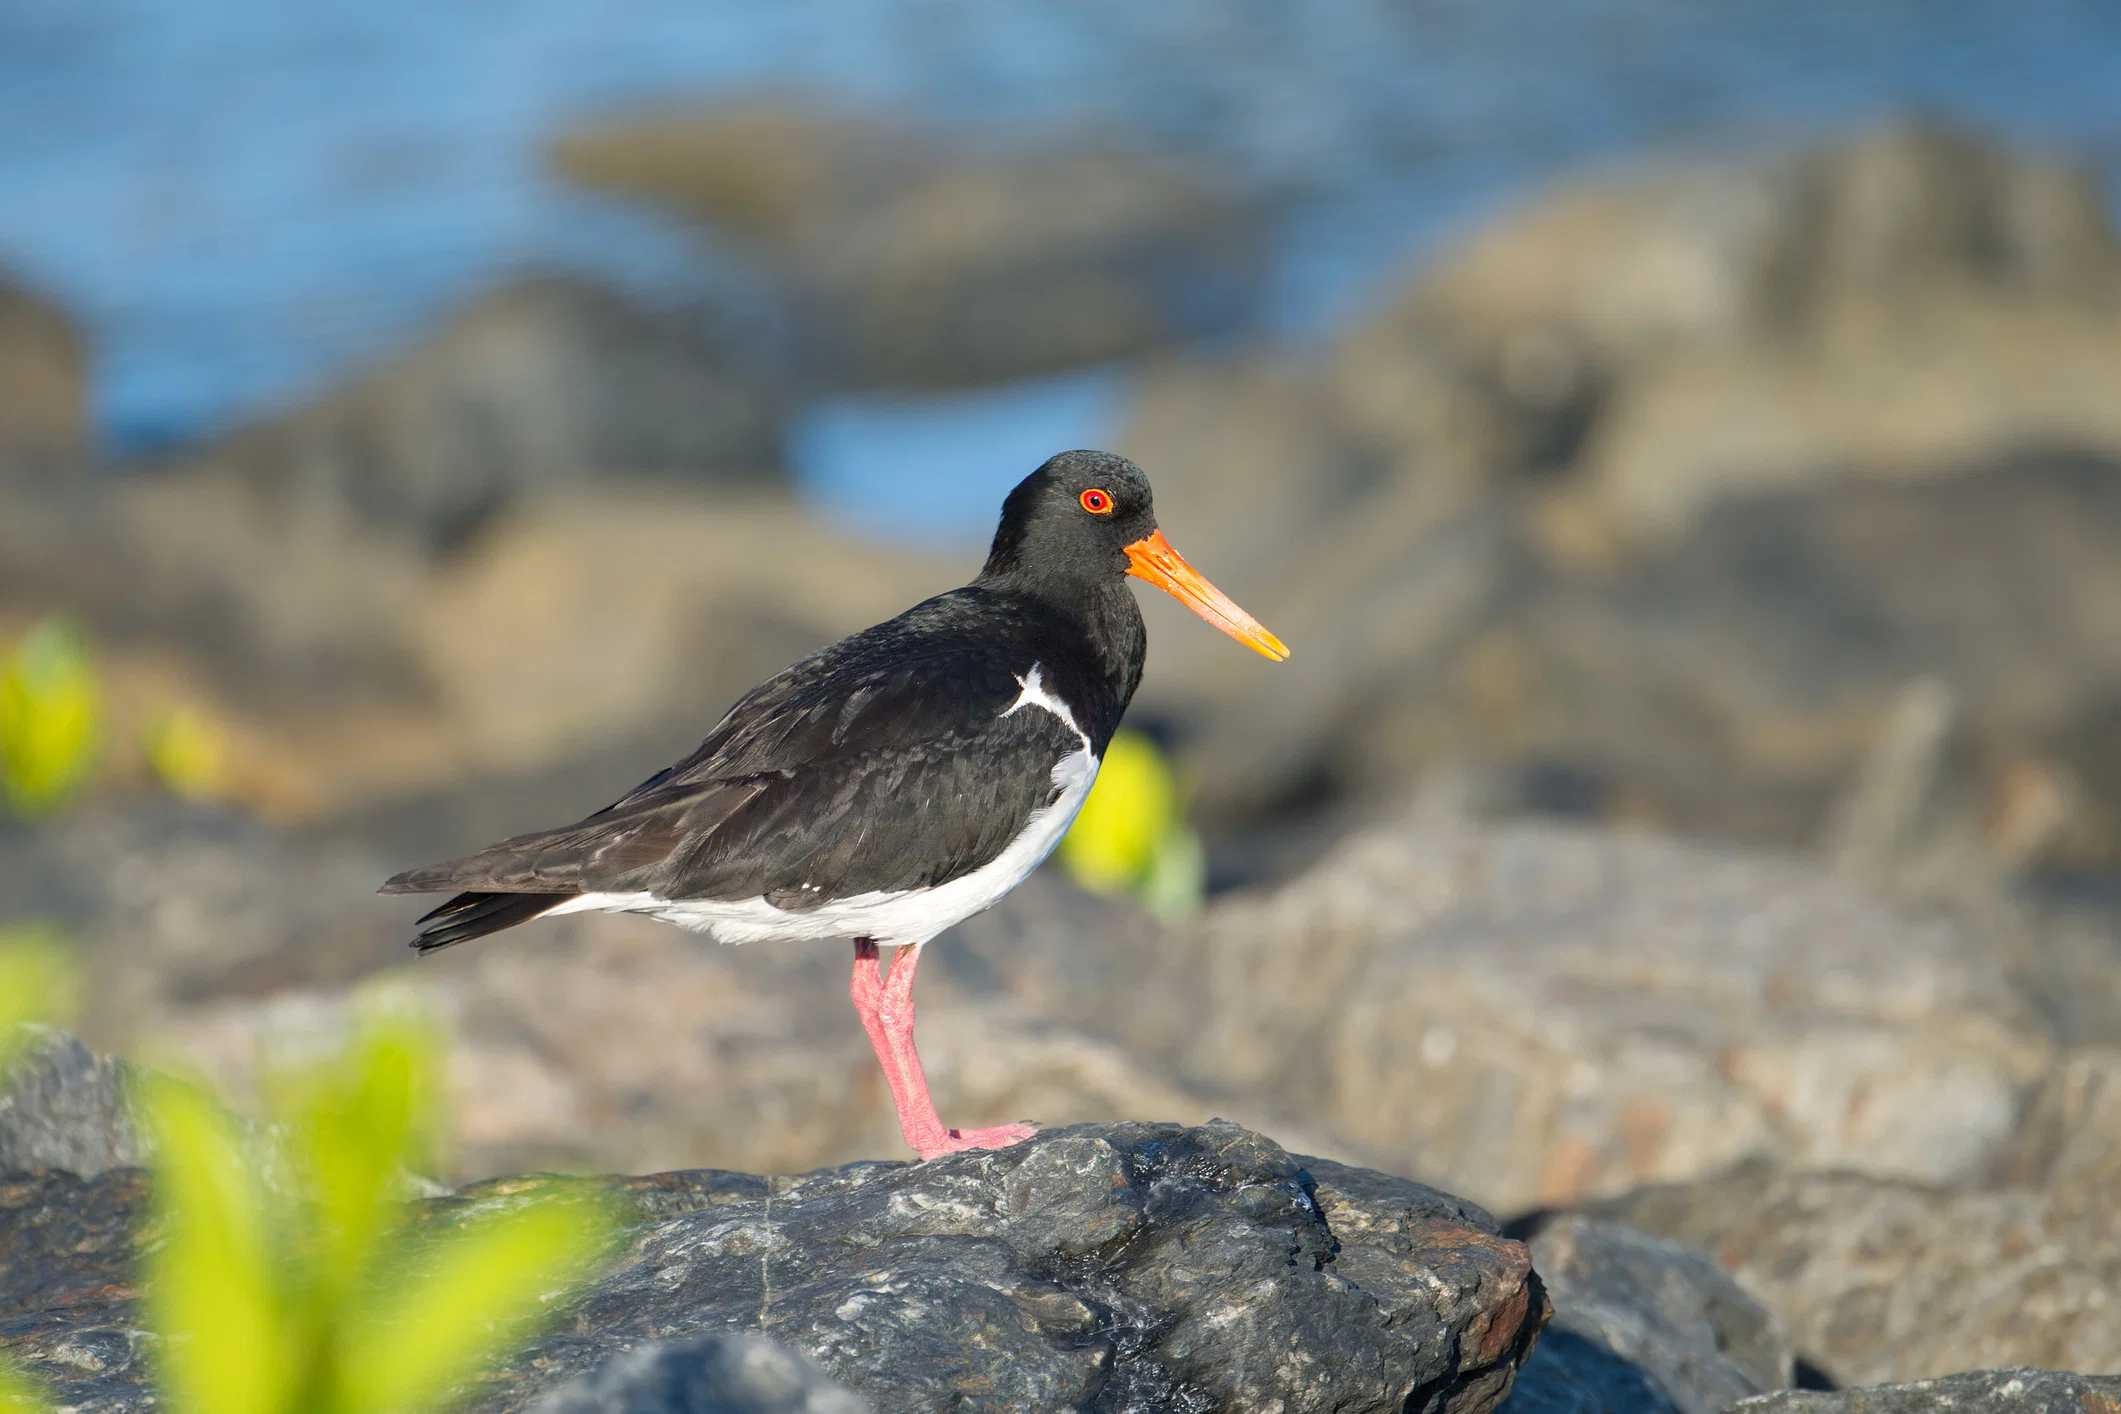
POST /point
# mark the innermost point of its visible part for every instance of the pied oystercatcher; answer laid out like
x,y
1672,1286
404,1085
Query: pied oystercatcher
x,y
891,785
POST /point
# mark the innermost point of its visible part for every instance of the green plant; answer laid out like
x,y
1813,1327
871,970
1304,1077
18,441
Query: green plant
x,y
1132,836
330,1301
51,711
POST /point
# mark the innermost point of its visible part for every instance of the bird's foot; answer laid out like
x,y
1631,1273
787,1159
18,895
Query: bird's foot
x,y
956,1141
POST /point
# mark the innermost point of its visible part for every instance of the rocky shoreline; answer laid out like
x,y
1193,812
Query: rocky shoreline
x,y
1688,830
1137,1267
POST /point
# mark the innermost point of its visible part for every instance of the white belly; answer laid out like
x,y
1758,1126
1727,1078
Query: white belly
x,y
891,918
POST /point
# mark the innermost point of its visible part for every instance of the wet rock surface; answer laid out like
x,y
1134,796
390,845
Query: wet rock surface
x,y
1132,1266
2022,1391
712,1374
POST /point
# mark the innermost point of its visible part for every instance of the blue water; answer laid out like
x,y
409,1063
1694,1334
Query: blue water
x,y
243,199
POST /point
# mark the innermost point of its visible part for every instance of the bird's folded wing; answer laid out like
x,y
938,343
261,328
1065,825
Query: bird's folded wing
x,y
902,768
600,852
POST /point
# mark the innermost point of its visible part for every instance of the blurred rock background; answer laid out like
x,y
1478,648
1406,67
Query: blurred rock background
x,y
1682,447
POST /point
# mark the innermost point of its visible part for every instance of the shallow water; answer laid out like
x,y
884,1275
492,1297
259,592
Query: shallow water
x,y
243,200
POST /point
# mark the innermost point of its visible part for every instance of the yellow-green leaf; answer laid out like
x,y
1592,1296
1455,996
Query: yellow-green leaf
x,y
36,984
213,1292
467,1299
188,753
50,712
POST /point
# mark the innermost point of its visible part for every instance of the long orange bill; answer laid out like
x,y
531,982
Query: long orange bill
x,y
1153,559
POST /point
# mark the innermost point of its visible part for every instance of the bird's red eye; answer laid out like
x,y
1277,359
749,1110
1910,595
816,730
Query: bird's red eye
x,y
1096,502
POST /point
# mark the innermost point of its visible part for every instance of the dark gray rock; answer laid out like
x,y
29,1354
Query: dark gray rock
x,y
1651,1325
1128,1267
908,260
1974,1392
62,1106
546,380
711,1374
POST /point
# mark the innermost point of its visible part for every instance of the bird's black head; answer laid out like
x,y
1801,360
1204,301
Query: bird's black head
x,y
1071,520
1086,519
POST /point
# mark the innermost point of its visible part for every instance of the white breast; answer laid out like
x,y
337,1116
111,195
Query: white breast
x,y
891,917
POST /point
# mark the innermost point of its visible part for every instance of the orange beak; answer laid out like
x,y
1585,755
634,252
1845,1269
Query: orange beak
x,y
1153,559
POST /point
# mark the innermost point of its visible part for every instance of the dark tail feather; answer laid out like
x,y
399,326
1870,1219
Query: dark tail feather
x,y
470,916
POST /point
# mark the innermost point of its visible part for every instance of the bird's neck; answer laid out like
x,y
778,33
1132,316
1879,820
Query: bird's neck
x,y
1113,622
1103,615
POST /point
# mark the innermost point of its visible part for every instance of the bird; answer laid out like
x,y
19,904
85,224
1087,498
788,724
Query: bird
x,y
890,785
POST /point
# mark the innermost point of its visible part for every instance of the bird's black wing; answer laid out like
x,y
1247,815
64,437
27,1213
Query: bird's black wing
x,y
888,761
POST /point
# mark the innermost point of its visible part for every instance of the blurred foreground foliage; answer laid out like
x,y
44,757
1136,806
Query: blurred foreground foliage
x,y
188,752
326,1299
1132,835
55,730
51,712
282,1270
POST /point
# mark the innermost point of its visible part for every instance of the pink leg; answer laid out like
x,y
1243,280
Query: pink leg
x,y
885,1006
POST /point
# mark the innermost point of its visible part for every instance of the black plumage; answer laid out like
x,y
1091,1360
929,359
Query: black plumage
x,y
882,762
888,786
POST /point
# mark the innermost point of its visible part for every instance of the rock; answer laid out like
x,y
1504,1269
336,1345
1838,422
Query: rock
x,y
547,381
1740,680
758,167
62,1106
1658,1316
1536,1014
68,1258
906,262
1129,1266
1642,490
2069,1145
1974,1392
1883,304
709,1374
168,905
44,419
736,582
1880,1280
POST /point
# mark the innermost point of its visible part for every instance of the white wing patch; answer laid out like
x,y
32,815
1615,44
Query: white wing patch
x,y
891,917
1034,694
